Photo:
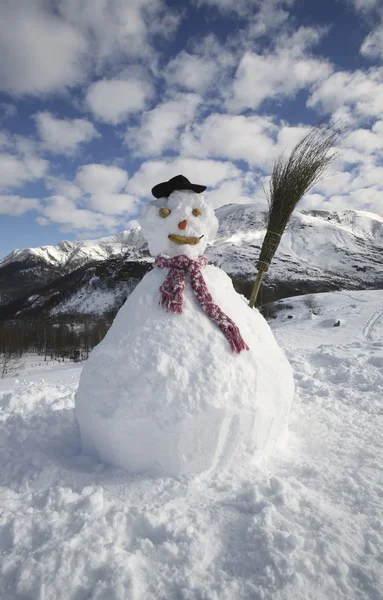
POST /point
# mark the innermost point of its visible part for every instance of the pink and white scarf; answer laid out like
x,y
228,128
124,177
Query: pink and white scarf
x,y
174,285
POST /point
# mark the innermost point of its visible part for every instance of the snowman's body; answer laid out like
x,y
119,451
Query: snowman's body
x,y
164,393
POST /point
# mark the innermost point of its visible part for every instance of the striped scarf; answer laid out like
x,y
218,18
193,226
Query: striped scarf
x,y
174,285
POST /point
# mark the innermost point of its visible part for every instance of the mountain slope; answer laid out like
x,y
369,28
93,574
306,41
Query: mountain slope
x,y
320,251
26,271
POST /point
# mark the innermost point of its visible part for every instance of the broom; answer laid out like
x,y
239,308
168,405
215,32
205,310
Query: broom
x,y
290,180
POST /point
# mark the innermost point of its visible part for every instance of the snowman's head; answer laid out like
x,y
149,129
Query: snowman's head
x,y
183,223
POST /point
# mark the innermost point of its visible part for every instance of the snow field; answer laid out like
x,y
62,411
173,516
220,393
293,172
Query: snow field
x,y
306,526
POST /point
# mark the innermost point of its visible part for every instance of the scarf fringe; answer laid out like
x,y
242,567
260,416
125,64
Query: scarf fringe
x,y
172,299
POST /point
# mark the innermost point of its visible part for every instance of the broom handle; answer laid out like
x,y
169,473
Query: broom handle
x,y
257,285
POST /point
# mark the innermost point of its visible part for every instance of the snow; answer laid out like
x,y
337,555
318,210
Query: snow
x,y
334,249
163,393
180,205
68,256
305,525
92,299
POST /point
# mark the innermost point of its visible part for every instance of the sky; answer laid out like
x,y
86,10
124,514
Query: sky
x,y
102,99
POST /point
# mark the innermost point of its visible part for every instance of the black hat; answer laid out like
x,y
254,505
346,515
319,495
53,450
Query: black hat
x,y
179,182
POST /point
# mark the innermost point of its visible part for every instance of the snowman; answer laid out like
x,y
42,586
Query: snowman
x,y
188,378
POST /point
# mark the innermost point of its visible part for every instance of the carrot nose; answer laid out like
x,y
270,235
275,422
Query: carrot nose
x,y
183,224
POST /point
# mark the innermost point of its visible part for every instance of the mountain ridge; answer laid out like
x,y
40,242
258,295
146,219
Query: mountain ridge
x,y
320,251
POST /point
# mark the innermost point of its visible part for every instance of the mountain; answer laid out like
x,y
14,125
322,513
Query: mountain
x,y
23,272
320,251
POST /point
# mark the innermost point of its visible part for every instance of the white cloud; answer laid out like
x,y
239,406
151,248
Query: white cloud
x,y
235,137
373,44
47,49
7,110
191,72
278,74
113,204
369,198
16,205
366,141
61,210
159,127
4,141
40,52
365,5
104,188
357,94
205,172
101,179
63,136
97,190
16,170
114,100
242,7
120,28
234,192
61,187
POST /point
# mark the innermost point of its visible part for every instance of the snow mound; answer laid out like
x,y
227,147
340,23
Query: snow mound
x,y
163,393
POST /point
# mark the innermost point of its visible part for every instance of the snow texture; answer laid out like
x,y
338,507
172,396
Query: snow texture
x,y
181,205
306,526
163,393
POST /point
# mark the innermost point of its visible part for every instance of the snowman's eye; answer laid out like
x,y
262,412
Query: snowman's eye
x,y
196,212
164,212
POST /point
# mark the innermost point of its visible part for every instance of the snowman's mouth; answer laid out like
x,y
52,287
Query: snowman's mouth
x,y
182,239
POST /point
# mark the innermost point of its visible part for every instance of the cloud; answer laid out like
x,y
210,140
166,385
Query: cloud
x,y
354,95
114,100
191,72
113,204
117,29
242,7
7,110
101,179
96,191
234,137
16,205
261,77
16,170
63,136
104,189
4,141
40,52
159,127
205,172
235,191
372,46
372,10
366,141
46,49
61,210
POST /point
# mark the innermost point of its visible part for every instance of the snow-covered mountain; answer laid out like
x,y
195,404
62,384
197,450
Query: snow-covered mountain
x,y
320,251
23,272
68,256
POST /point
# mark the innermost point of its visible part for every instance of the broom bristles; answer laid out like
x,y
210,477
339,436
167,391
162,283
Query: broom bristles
x,y
291,179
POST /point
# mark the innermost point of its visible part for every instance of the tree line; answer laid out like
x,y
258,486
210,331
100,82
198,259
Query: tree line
x,y
71,340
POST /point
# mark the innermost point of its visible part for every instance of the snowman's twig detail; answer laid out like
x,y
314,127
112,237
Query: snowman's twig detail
x,y
174,285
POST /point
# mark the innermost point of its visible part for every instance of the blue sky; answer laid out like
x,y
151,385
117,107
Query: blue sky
x,y
100,100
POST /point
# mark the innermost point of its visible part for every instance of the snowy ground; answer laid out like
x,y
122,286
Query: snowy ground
x,y
308,525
